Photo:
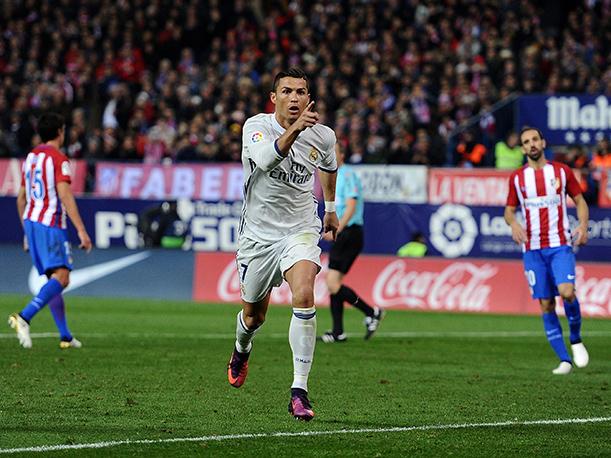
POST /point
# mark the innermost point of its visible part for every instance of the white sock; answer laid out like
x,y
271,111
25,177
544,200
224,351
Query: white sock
x,y
302,338
244,336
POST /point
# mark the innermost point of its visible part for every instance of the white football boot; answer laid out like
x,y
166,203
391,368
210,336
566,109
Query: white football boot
x,y
563,368
22,328
580,354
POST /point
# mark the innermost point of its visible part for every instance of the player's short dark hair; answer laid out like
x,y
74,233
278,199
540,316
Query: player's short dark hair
x,y
49,125
526,128
293,72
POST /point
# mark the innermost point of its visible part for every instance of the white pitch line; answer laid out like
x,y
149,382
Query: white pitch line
x,y
382,334
397,429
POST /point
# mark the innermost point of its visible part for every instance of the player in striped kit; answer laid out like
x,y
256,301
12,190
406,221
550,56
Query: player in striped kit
x,y
280,228
43,201
540,187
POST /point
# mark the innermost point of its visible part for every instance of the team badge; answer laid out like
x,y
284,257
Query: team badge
x,y
256,137
313,154
66,168
555,183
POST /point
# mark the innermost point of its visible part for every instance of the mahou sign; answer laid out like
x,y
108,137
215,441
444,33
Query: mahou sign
x,y
493,286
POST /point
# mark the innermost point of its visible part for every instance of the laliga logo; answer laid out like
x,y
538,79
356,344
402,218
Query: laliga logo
x,y
453,230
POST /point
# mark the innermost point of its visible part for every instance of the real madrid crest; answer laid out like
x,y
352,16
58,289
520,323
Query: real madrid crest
x,y
313,154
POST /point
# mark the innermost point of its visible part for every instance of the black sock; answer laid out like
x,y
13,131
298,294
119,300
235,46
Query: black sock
x,y
337,313
348,295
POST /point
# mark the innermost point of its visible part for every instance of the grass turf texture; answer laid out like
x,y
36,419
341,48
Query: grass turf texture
x,y
157,370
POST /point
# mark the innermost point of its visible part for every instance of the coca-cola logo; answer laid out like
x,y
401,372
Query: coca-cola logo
x,y
594,293
459,286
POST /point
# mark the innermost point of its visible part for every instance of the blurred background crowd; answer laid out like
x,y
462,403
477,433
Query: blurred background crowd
x,y
401,82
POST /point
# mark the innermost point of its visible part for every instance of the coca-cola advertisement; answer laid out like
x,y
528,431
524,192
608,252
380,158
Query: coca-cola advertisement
x,y
432,284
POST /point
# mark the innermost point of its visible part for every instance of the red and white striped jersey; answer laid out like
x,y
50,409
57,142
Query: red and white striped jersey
x,y
44,167
542,195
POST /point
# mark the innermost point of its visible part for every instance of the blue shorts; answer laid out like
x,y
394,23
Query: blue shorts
x,y
547,268
49,246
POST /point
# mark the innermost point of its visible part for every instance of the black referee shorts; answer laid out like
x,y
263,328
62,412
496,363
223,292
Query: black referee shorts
x,y
347,246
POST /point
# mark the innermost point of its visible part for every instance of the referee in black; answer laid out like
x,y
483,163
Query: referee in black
x,y
345,249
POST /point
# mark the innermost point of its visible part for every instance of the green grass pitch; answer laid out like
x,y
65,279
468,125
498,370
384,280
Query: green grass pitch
x,y
150,380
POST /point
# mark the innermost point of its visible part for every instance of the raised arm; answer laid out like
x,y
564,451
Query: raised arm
x,y
267,153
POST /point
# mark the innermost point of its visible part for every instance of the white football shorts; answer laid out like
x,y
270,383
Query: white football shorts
x,y
262,266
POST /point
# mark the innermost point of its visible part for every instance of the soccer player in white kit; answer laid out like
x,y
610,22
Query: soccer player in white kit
x,y
280,228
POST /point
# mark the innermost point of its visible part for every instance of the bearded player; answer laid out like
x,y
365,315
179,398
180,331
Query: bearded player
x,y
540,187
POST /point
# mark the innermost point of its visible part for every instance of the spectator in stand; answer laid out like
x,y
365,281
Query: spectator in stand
x,y
599,166
415,248
576,157
386,68
469,152
508,154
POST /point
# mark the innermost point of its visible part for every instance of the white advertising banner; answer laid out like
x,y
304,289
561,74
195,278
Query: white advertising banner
x,y
393,183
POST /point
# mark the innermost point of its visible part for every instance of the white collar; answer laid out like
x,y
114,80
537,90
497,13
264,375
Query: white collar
x,y
276,124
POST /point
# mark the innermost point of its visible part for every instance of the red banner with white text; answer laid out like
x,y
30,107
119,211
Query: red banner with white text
x,y
468,186
486,286
486,187
10,176
209,182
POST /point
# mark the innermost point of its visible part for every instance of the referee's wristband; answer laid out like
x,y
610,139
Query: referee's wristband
x,y
329,206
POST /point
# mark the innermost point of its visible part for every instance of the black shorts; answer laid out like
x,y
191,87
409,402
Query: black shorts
x,y
347,246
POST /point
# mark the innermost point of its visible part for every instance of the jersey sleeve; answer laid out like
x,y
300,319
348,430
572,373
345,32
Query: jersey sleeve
x,y
328,162
572,185
512,194
352,185
259,145
63,173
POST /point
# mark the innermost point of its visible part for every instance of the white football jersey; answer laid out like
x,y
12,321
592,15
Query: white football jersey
x,y
278,198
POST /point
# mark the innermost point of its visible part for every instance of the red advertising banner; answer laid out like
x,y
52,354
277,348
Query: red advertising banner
x,y
486,286
10,176
487,187
210,182
468,186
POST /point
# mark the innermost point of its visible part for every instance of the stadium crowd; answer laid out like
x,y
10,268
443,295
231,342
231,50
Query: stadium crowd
x,y
174,80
